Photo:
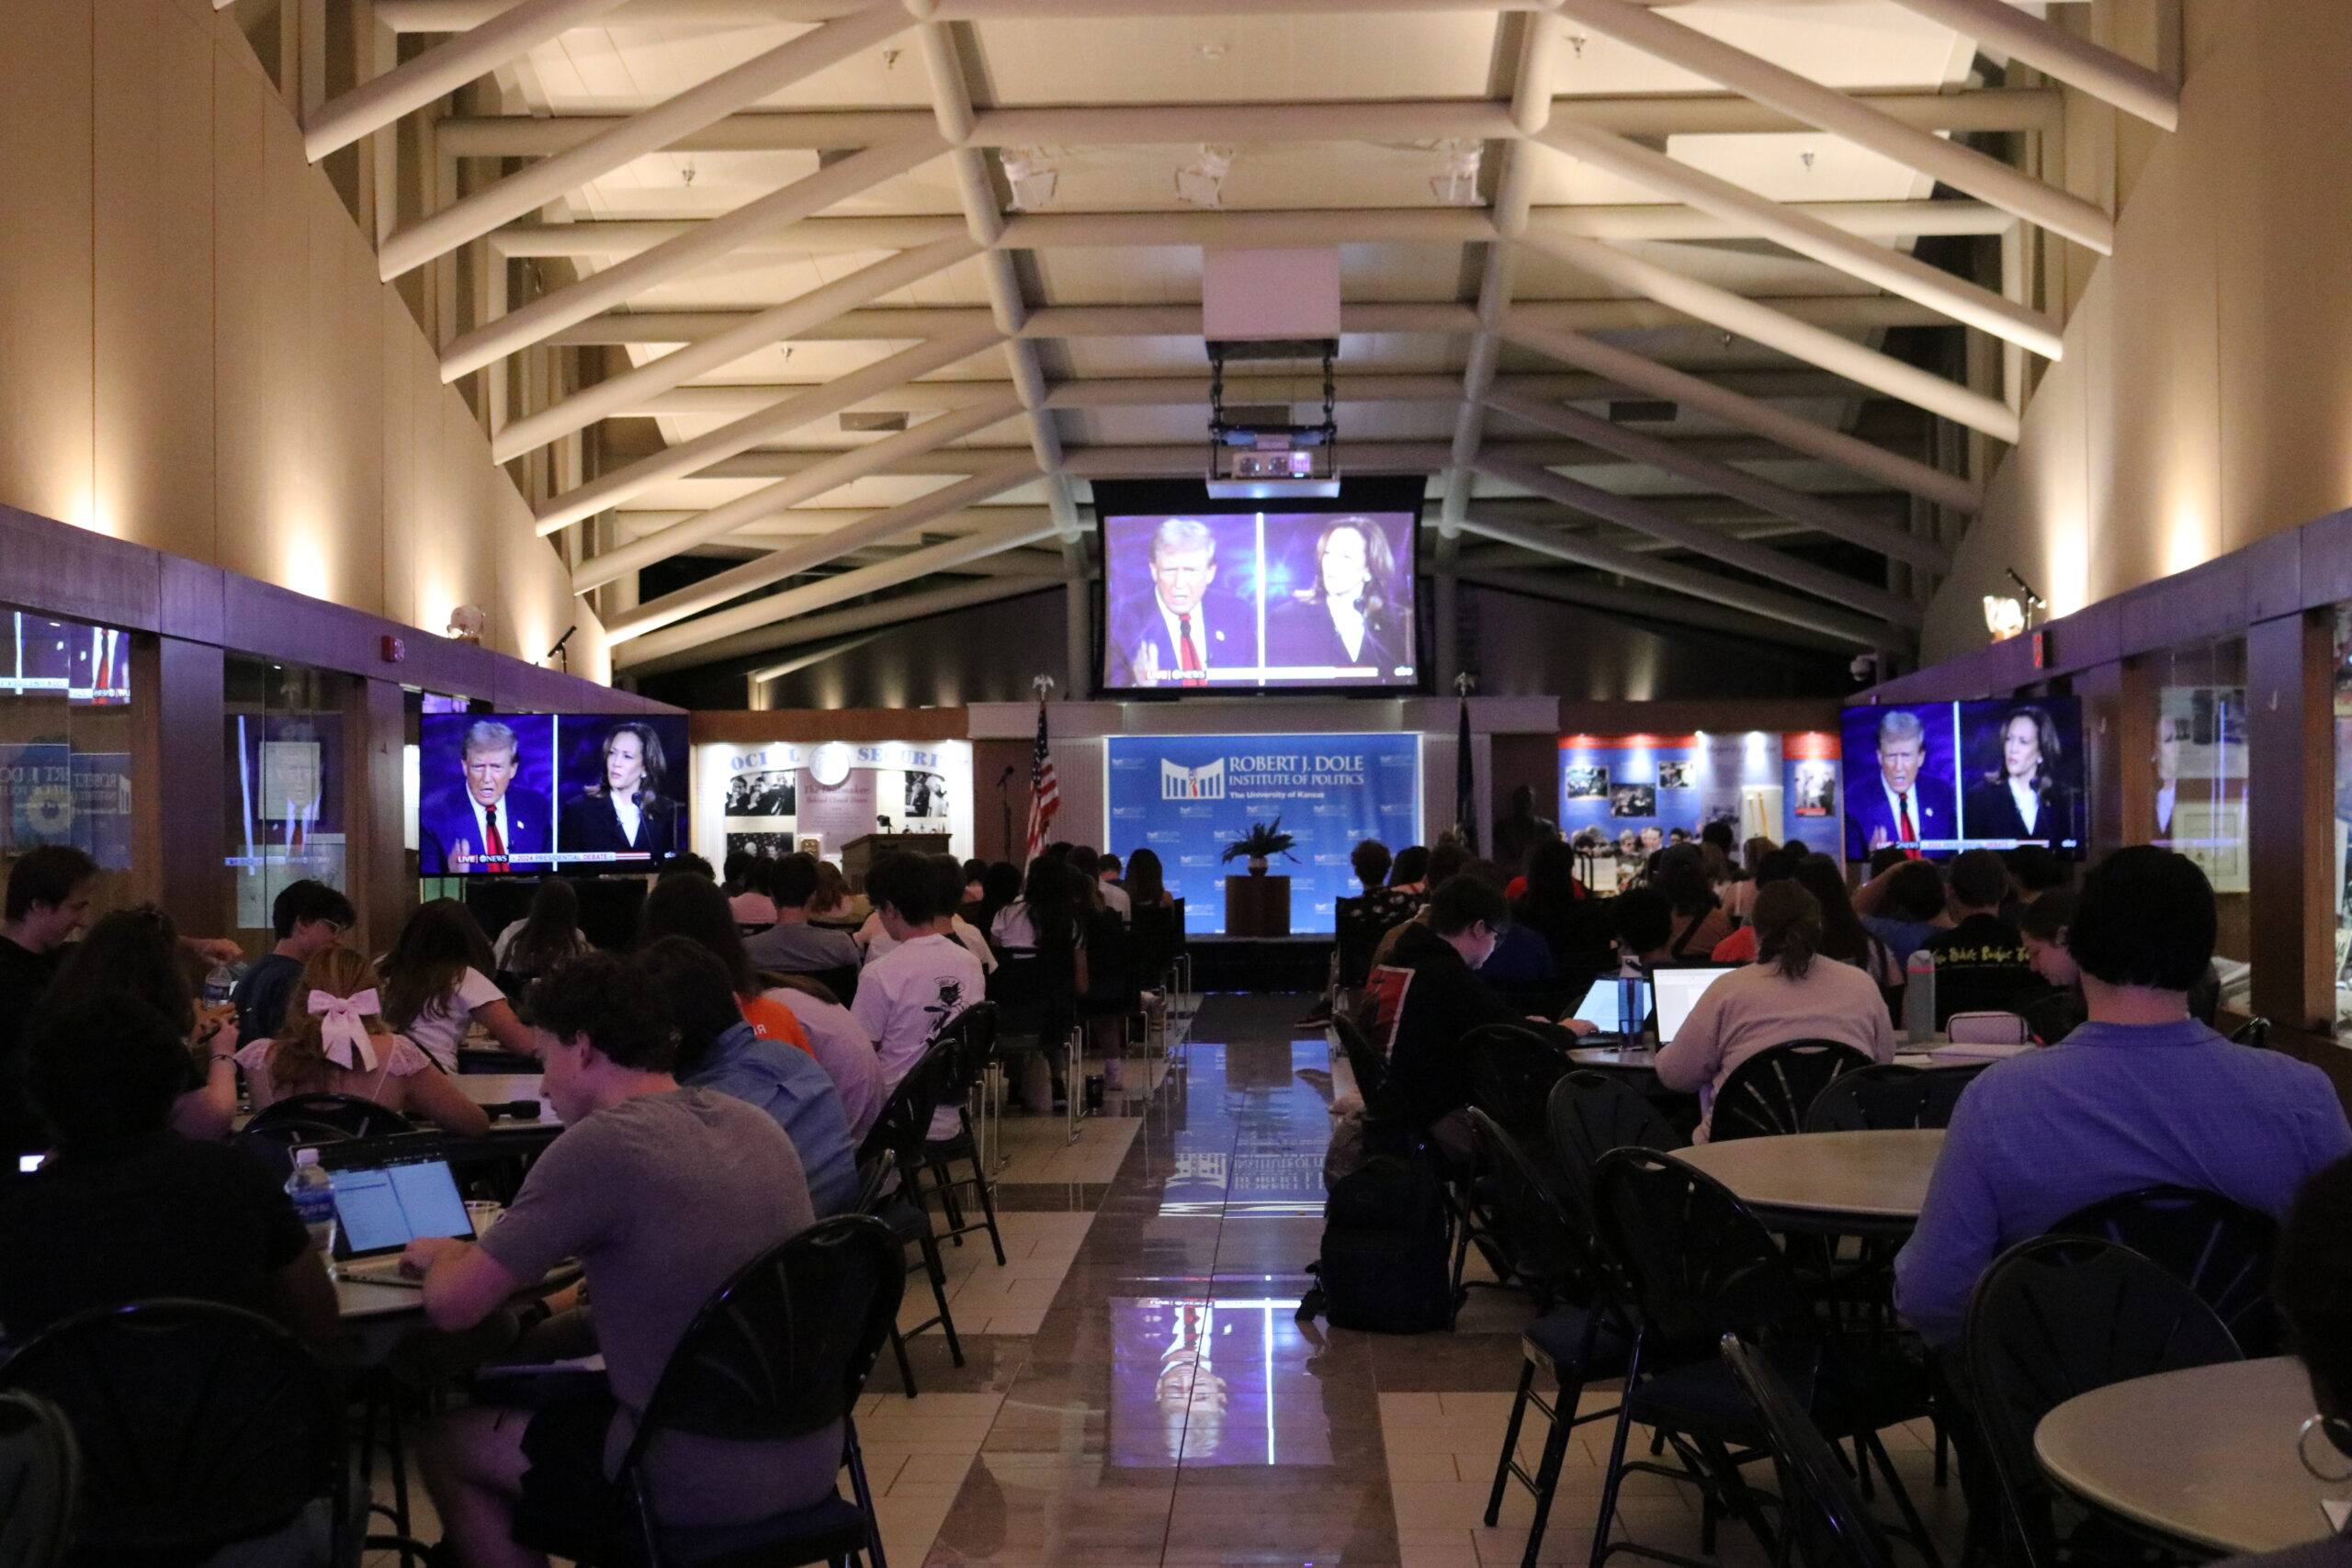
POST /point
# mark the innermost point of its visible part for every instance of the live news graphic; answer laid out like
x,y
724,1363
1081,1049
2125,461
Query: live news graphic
x,y
1937,778
1258,601
536,793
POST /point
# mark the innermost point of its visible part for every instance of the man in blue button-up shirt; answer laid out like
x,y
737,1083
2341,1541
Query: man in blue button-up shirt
x,y
2142,1095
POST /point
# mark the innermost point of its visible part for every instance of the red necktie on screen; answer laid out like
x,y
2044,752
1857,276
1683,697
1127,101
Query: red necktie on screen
x,y
1910,834
493,844
1188,658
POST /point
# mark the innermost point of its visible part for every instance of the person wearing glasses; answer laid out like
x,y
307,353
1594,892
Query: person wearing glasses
x,y
309,918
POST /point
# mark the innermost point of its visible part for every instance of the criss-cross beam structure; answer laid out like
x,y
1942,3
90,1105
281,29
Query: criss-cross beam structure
x,y
848,291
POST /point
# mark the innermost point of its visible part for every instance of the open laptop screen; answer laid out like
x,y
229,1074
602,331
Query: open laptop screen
x,y
390,1191
1678,991
1603,1006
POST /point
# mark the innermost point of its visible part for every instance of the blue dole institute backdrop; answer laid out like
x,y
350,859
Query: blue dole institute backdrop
x,y
1187,796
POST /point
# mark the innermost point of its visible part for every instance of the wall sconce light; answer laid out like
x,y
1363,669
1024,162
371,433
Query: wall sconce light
x,y
2004,617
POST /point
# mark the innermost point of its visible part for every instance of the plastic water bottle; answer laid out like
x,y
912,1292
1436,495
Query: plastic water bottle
x,y
219,984
313,1194
1919,998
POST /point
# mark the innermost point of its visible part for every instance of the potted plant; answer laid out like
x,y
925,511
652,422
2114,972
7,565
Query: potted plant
x,y
1264,840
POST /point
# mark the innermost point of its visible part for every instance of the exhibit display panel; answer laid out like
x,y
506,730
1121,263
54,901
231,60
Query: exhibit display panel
x,y
285,726
67,733
1622,796
777,796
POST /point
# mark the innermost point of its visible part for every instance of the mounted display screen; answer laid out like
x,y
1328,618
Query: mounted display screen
x,y
1938,778
542,792
1285,596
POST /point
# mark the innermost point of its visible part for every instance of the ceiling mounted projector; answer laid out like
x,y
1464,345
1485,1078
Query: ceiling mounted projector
x,y
1260,306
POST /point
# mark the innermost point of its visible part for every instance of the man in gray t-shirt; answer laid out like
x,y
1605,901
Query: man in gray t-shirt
x,y
662,1194
791,944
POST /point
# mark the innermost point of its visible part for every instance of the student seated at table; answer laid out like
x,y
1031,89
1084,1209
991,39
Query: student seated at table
x,y
307,917
717,1050
1773,865
1643,921
125,1208
438,984
2043,927
791,944
137,951
907,996
662,1193
1682,874
1791,992
548,933
1981,963
334,1041
1446,862
693,907
2142,1095
2311,1278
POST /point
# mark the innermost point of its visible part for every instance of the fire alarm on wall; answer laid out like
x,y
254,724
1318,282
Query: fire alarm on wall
x,y
395,649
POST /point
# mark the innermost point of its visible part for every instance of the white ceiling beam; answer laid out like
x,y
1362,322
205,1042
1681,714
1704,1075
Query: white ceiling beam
x,y
456,15
1717,399
803,522
781,131
1898,273
883,527
1800,340
1503,568
1677,579
1962,168
820,305
1773,566
809,484
1309,226
535,185
775,418
1645,221
575,302
1766,495
832,591
2047,47
441,70
912,323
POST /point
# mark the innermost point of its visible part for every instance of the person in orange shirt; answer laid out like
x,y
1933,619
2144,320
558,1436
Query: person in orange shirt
x,y
693,906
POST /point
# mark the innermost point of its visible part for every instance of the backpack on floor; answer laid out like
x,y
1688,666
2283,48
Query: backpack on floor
x,y
1387,1251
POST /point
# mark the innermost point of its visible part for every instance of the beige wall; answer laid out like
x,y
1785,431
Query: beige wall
x,y
2205,400
195,352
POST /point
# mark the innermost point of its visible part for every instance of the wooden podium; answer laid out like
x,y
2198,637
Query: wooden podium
x,y
1257,905
860,854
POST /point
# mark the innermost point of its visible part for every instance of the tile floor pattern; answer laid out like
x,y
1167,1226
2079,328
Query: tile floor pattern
x,y
1137,1392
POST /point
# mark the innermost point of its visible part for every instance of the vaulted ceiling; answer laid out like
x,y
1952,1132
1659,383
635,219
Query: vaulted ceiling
x,y
824,314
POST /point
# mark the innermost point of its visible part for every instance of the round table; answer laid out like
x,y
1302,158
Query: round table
x,y
1644,1058
2206,1455
1867,1184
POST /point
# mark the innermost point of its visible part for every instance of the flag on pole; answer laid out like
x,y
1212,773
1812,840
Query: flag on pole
x,y
1465,805
1045,791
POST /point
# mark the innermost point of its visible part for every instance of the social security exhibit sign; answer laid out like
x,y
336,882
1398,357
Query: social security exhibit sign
x,y
1187,796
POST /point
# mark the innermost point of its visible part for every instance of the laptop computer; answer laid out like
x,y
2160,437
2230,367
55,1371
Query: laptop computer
x,y
388,1192
1604,1007
1678,991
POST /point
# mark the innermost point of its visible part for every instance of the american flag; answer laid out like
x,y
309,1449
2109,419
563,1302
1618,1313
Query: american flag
x,y
1045,792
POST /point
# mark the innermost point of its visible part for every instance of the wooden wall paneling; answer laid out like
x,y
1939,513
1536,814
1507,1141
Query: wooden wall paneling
x,y
2291,825
2135,780
2106,757
746,726
47,399
989,759
151,271
148,768
382,886
191,693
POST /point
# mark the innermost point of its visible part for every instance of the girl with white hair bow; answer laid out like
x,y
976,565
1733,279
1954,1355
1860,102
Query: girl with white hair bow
x,y
333,1042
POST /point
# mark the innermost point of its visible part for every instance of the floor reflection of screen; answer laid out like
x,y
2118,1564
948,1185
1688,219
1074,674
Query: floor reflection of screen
x,y
1208,1383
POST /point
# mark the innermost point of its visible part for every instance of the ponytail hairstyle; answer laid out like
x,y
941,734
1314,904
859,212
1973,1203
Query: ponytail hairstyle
x,y
1788,928
297,1058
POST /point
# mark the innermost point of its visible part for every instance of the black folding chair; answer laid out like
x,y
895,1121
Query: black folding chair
x,y
200,1425
1887,1095
902,1130
1821,1511
274,1143
972,1036
1580,1337
782,1351
1769,1094
2053,1318
1702,1267
1364,1060
41,1482
1356,928
1512,1069
1592,1113
2218,1248
354,1116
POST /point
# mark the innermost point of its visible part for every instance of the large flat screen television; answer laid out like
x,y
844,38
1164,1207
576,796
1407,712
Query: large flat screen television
x,y
538,792
1202,595
1938,778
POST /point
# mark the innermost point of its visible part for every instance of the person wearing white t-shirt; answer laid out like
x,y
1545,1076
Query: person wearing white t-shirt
x,y
876,941
907,996
435,985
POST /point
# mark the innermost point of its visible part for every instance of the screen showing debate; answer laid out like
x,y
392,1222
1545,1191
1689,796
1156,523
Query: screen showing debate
x,y
1938,778
1209,601
546,792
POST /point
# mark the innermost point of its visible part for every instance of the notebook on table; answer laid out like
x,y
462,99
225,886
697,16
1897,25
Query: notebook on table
x,y
388,1192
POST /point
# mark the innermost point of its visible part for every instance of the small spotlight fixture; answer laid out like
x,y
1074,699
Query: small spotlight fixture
x,y
1456,183
2004,617
1031,177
